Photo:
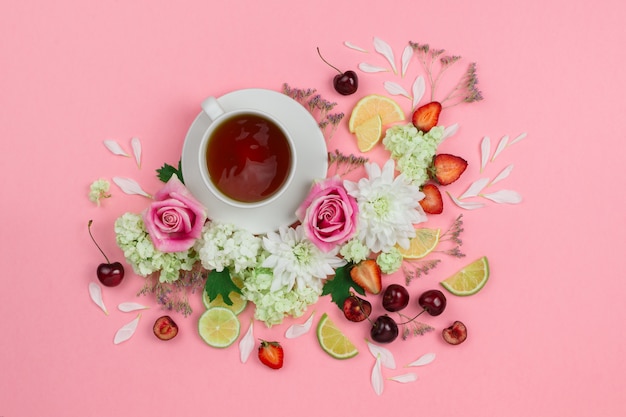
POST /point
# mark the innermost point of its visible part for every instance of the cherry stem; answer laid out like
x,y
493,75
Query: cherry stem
x,y
96,243
328,63
407,322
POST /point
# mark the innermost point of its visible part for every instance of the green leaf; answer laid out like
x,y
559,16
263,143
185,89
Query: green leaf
x,y
220,283
340,286
166,171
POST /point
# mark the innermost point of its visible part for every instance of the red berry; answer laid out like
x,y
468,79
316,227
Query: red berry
x,y
271,354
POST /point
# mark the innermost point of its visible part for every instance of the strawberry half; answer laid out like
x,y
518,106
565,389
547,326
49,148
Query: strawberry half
x,y
448,168
366,274
271,354
426,116
432,203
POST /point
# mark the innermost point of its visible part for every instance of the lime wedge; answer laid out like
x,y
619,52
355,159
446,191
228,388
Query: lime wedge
x,y
468,280
219,327
333,341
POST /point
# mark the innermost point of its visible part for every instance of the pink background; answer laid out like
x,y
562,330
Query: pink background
x,y
546,332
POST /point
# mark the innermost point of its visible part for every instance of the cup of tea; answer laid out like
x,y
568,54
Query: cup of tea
x,y
247,156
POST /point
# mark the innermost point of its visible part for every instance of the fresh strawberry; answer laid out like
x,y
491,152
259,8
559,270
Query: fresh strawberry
x,y
271,354
448,168
432,203
426,116
366,274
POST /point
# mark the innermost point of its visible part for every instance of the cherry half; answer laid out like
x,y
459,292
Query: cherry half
x,y
109,274
345,83
356,309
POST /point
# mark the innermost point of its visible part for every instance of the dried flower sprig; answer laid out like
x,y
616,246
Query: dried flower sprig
x,y
465,90
344,164
319,108
413,269
453,234
174,295
415,328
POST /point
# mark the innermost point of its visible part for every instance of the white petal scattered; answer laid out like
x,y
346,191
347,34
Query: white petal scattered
x,y
501,146
449,131
128,307
95,292
485,150
114,147
353,46
467,205
404,378
503,174
385,50
396,89
126,331
385,355
135,143
365,67
297,330
475,188
130,186
246,344
517,139
377,377
419,87
423,360
504,197
407,54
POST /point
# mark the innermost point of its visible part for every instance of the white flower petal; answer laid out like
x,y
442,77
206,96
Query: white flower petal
x,y
128,307
404,378
353,46
135,143
365,67
449,131
517,139
485,150
127,331
423,360
407,54
297,330
465,204
504,197
114,147
377,377
385,355
419,87
95,292
475,188
396,89
385,50
503,174
501,145
130,186
247,343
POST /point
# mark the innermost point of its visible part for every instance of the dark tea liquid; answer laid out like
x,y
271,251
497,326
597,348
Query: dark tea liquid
x,y
248,158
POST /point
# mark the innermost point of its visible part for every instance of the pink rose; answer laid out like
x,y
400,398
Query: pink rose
x,y
328,214
175,219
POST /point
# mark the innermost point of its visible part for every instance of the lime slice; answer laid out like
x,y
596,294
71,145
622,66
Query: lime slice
x,y
333,341
219,327
470,279
424,242
239,303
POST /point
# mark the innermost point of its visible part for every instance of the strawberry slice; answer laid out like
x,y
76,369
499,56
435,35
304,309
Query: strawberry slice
x,y
426,116
366,274
271,354
448,168
432,203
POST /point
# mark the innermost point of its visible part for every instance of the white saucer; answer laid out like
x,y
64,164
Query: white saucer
x,y
310,149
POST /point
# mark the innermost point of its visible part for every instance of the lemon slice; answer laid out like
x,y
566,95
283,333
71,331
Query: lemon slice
x,y
470,279
219,327
375,105
368,133
424,242
333,341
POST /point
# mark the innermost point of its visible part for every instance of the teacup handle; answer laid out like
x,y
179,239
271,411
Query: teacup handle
x,y
212,108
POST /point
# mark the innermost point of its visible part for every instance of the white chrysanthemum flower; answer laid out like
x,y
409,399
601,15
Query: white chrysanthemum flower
x,y
388,207
295,260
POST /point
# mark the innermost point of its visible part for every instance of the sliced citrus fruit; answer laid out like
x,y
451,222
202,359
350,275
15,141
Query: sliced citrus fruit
x,y
219,327
238,305
333,341
368,133
470,279
424,242
375,105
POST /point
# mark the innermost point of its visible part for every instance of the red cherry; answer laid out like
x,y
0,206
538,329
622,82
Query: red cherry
x,y
109,274
345,83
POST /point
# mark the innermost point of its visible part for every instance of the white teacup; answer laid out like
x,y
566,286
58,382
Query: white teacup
x,y
247,156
